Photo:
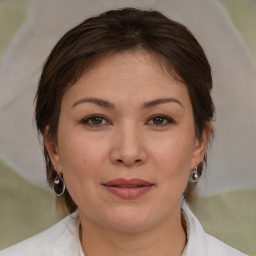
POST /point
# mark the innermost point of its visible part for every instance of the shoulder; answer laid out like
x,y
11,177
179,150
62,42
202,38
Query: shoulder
x,y
216,247
46,242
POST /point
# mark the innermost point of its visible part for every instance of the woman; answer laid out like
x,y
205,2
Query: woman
x,y
124,110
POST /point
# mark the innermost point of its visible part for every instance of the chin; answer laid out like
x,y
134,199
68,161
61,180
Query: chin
x,y
129,220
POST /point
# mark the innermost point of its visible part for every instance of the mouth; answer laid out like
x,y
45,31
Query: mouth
x,y
128,189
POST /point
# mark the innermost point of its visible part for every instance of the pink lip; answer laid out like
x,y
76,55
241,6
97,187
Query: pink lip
x,y
128,189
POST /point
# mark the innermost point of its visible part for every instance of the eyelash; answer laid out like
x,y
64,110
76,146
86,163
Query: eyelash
x,y
164,118
167,119
87,120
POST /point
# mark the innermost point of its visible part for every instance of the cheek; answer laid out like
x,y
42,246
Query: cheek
x,y
80,148
172,158
174,151
82,159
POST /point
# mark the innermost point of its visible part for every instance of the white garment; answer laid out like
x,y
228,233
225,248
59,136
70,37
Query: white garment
x,y
63,239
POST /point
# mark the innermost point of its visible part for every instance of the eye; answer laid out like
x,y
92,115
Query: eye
x,y
95,120
160,120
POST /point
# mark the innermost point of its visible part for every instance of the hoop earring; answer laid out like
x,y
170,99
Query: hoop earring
x,y
194,176
58,185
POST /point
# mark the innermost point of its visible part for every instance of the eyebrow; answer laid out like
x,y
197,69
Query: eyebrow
x,y
107,104
153,103
99,102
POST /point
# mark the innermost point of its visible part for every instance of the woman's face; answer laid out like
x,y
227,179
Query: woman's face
x,y
126,143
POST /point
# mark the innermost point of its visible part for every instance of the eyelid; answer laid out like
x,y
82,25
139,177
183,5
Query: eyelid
x,y
168,118
87,118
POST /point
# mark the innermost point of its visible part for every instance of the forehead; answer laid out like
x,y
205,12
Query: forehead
x,y
136,74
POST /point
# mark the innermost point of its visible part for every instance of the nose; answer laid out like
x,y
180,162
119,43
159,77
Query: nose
x,y
128,146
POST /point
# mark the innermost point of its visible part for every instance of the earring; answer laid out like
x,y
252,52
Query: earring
x,y
194,176
58,185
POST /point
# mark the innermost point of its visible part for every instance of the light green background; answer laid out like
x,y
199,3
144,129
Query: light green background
x,y
243,15
12,14
26,209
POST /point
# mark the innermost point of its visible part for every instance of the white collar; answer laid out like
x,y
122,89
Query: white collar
x,y
69,242
196,243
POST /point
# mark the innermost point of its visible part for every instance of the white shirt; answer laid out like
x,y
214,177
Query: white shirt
x,y
63,239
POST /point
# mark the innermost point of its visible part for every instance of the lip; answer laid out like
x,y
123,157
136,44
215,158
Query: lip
x,y
128,188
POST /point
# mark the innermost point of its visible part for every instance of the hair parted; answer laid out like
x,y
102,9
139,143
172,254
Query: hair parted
x,y
116,31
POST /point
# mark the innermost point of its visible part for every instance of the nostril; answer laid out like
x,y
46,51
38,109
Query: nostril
x,y
121,161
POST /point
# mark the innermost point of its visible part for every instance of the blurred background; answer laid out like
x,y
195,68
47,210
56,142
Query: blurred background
x,y
226,29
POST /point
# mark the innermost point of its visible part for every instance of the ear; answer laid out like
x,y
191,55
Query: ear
x,y
200,146
52,150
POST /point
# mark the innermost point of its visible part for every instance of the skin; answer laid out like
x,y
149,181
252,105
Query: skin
x,y
128,141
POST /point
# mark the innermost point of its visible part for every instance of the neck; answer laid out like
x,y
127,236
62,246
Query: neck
x,y
165,239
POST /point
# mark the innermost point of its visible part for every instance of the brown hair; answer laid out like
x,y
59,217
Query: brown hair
x,y
113,32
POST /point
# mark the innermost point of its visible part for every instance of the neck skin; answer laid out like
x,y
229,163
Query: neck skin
x,y
167,238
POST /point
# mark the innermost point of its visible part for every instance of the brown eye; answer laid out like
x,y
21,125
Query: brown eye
x,y
95,121
160,120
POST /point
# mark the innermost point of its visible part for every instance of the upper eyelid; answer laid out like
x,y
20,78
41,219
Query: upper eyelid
x,y
162,116
147,120
94,115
